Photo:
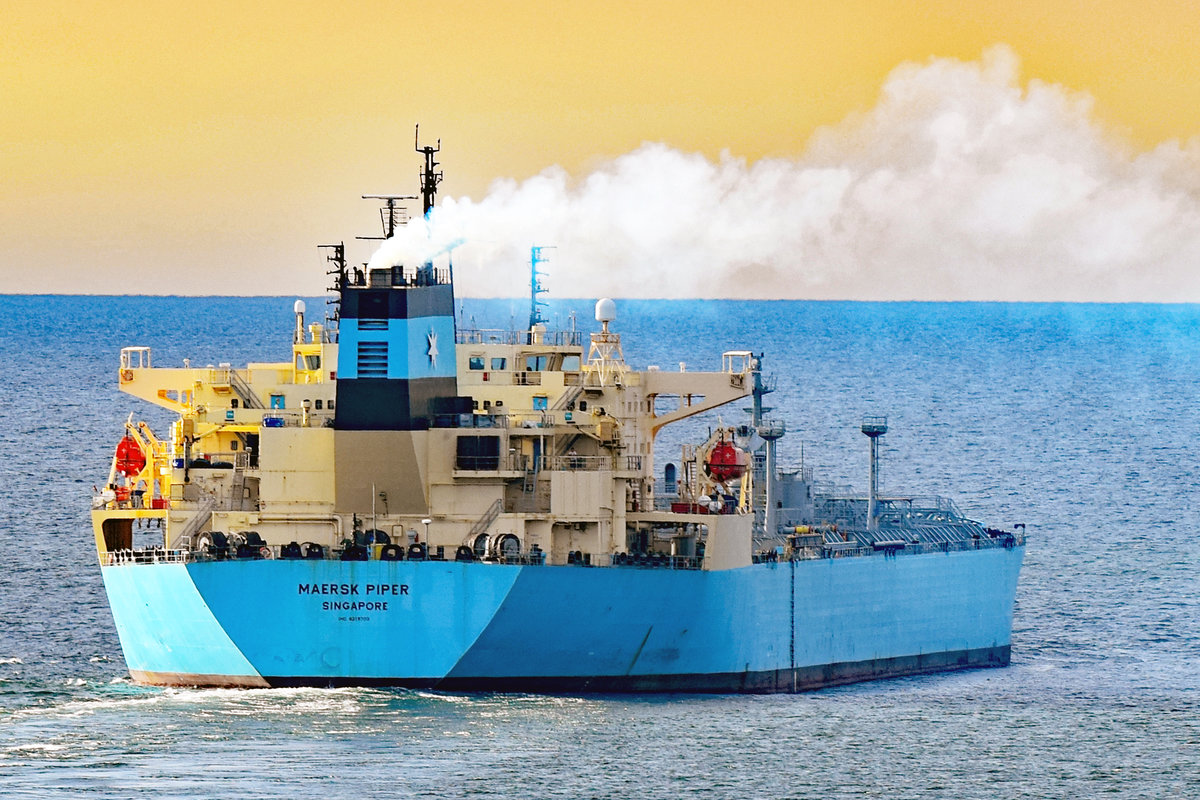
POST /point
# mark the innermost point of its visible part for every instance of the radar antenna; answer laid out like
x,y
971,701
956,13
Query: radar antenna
x,y
391,215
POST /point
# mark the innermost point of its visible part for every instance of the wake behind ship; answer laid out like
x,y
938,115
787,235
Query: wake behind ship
x,y
407,502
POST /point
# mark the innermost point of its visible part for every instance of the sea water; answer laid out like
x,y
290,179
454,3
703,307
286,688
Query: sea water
x,y
1080,421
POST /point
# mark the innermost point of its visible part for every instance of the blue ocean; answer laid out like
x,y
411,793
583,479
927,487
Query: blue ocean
x,y
1079,421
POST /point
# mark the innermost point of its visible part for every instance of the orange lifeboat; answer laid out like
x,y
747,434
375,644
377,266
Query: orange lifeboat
x,y
725,462
130,458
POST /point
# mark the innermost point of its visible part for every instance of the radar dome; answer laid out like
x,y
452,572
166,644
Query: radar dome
x,y
606,310
298,308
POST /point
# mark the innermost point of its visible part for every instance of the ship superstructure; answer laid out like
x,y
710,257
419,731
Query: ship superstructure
x,y
406,501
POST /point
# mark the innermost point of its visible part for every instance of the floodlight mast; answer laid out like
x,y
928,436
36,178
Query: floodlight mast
x,y
873,428
535,285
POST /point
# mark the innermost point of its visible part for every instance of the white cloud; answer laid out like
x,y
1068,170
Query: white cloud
x,y
959,184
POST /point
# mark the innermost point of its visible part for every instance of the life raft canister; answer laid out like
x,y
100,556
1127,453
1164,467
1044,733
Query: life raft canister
x,y
130,458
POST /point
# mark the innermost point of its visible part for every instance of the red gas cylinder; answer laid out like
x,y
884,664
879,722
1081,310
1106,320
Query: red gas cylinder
x,y
725,462
130,458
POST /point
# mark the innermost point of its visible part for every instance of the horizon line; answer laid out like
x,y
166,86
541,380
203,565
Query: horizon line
x,y
634,299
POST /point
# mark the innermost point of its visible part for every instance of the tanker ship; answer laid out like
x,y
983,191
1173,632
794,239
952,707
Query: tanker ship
x,y
406,501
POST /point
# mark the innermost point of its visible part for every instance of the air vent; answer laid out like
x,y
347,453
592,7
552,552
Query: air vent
x,y
372,359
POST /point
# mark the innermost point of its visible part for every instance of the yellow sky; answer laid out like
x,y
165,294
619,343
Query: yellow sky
x,y
206,148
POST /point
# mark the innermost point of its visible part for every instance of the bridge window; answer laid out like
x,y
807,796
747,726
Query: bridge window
x,y
499,363
475,362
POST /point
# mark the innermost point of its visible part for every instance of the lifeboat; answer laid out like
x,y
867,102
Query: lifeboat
x,y
725,462
130,459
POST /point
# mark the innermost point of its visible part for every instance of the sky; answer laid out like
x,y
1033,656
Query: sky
x,y
1013,150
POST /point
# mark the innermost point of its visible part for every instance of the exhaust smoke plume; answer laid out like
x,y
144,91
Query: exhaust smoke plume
x,y
959,185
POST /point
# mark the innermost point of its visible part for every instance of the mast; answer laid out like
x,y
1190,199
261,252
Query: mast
x,y
535,285
338,259
873,428
771,431
430,178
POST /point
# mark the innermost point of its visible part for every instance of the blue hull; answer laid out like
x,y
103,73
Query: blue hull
x,y
783,626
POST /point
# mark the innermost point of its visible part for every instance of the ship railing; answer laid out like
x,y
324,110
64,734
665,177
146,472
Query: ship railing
x,y
854,550
399,275
644,560
512,462
469,420
517,337
233,459
152,555
219,376
833,491
572,462
546,418
941,504
158,555
527,378
800,473
137,500
135,358
288,417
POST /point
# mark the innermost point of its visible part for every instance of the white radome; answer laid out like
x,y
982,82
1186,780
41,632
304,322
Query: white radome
x,y
606,310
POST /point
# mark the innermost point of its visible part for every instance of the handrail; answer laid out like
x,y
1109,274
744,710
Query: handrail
x,y
158,555
244,390
486,520
518,337
198,520
154,555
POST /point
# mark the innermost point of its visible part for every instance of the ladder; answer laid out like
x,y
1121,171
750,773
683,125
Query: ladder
x,y
199,520
486,520
244,390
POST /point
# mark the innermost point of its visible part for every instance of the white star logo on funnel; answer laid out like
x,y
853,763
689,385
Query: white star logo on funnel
x,y
433,350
